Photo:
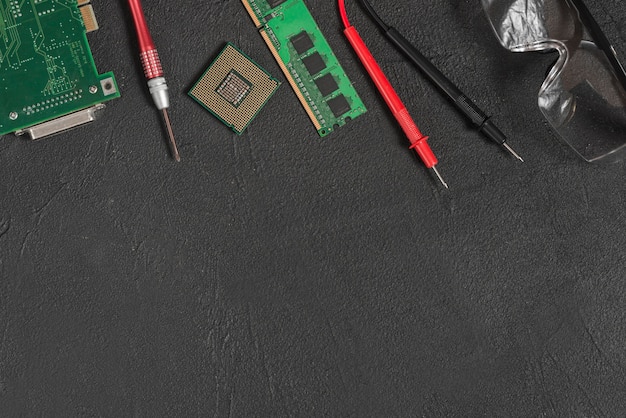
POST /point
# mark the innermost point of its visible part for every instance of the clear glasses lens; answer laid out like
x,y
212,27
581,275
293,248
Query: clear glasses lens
x,y
581,97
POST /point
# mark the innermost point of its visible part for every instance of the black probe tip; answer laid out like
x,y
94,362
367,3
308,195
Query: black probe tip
x,y
491,131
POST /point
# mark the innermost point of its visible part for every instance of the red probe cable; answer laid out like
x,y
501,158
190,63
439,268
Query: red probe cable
x,y
152,69
418,140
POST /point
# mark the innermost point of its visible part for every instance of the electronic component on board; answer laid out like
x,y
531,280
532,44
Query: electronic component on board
x,y
327,84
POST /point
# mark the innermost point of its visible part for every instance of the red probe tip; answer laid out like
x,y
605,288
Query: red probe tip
x,y
439,177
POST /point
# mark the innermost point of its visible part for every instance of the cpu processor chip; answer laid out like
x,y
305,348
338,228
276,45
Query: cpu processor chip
x,y
234,88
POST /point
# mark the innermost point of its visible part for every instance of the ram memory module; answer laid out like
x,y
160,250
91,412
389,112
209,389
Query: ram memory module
x,y
48,78
307,61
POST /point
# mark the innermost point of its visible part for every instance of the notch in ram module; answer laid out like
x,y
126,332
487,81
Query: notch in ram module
x,y
308,62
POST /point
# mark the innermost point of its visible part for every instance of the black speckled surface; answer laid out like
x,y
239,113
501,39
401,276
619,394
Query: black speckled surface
x,y
280,274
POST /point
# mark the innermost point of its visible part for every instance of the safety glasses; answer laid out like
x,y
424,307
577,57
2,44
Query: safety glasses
x,y
584,94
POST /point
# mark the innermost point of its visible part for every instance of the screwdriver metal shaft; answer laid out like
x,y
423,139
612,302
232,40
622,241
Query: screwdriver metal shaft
x,y
170,134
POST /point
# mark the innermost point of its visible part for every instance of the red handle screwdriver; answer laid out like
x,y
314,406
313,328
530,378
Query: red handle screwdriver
x,y
152,69
418,140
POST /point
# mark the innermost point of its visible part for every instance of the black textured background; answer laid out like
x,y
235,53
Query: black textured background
x,y
280,274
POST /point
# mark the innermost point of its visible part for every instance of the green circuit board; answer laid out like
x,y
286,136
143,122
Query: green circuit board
x,y
307,61
46,67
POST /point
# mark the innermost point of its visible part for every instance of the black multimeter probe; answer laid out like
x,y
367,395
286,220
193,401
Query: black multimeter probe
x,y
464,104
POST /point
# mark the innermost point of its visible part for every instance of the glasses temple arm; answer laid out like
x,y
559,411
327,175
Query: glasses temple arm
x,y
600,39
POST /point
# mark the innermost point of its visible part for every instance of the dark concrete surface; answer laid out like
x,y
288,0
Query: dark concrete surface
x,y
280,274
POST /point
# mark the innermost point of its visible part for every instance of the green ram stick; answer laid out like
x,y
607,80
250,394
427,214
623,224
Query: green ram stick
x,y
308,62
48,79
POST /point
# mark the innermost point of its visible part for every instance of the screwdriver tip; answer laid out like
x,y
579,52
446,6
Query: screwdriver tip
x,y
509,149
439,177
170,133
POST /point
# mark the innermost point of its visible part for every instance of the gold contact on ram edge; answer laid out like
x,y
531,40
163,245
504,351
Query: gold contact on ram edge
x,y
234,88
89,17
290,79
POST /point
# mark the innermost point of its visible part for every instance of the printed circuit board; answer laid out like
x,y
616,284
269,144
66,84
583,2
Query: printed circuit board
x,y
307,61
47,72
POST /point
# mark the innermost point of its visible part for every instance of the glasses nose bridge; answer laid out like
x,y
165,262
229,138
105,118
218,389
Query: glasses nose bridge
x,y
549,45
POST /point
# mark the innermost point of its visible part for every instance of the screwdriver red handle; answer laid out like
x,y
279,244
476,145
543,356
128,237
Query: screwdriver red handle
x,y
399,111
147,51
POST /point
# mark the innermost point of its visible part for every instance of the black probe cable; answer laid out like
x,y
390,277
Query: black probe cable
x,y
464,104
